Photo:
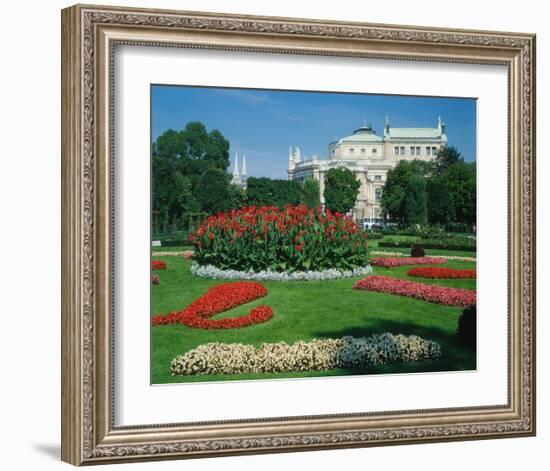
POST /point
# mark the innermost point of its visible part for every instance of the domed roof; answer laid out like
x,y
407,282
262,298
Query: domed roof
x,y
363,134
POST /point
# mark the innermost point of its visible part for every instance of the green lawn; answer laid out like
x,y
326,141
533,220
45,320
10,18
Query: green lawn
x,y
307,310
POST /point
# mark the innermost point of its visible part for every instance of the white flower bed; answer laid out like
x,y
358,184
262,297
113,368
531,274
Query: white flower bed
x,y
315,355
210,271
377,253
178,253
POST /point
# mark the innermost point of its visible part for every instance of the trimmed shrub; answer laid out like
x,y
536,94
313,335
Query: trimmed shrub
x,y
417,251
465,244
467,326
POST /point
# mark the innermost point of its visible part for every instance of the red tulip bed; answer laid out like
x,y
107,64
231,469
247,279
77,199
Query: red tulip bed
x,y
404,261
436,294
219,299
159,265
441,273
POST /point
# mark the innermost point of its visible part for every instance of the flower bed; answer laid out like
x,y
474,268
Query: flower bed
x,y
210,271
400,262
155,279
296,238
176,253
159,265
442,273
219,299
432,293
315,355
381,253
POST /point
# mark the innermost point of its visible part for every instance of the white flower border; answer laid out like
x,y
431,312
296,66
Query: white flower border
x,y
210,271
314,355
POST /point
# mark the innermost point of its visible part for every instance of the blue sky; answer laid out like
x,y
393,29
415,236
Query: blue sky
x,y
264,123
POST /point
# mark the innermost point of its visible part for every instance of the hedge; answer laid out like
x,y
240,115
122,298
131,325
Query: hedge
x,y
449,243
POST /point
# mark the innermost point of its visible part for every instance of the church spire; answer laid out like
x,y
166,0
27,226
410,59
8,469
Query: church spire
x,y
243,172
236,176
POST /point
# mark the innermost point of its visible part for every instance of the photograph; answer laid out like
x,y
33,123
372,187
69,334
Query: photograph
x,y
299,234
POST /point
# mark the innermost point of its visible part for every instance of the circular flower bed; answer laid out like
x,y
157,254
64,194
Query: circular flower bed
x,y
155,279
218,299
159,265
315,355
210,271
432,293
442,273
296,238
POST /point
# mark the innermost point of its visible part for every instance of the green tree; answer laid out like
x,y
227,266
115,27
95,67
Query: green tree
x,y
460,182
268,192
179,158
447,156
416,201
236,197
341,190
397,183
439,202
259,191
311,193
212,191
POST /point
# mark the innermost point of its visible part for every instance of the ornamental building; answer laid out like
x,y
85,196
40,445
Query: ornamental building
x,y
369,156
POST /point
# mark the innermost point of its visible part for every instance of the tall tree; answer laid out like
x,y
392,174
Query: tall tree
x,y
397,182
311,193
212,191
439,202
447,156
416,201
460,181
179,159
268,192
341,189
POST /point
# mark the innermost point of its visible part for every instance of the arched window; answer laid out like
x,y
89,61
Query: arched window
x,y
377,195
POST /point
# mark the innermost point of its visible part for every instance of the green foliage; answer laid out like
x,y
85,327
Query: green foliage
x,y
311,195
439,202
293,239
447,156
467,326
341,190
450,191
179,159
268,192
460,181
415,201
453,242
398,186
212,190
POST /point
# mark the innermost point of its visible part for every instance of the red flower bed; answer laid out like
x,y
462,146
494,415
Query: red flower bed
x,y
159,265
218,299
443,273
432,293
399,262
286,239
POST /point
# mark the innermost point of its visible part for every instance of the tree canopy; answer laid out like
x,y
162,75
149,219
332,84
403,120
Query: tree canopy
x,y
443,193
180,158
341,190
311,193
272,192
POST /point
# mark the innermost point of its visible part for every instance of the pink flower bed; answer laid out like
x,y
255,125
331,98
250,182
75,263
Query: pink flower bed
x,y
432,293
400,262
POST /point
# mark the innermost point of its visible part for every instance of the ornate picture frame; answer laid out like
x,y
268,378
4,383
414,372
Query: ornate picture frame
x,y
89,36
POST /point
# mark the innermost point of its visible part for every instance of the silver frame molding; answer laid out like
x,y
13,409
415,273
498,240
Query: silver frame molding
x,y
89,35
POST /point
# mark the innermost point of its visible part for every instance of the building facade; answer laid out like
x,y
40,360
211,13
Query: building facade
x,y
369,156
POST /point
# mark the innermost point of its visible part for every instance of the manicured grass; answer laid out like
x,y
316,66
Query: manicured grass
x,y
307,310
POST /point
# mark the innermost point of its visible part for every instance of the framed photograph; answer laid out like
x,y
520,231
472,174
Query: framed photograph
x,y
277,234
